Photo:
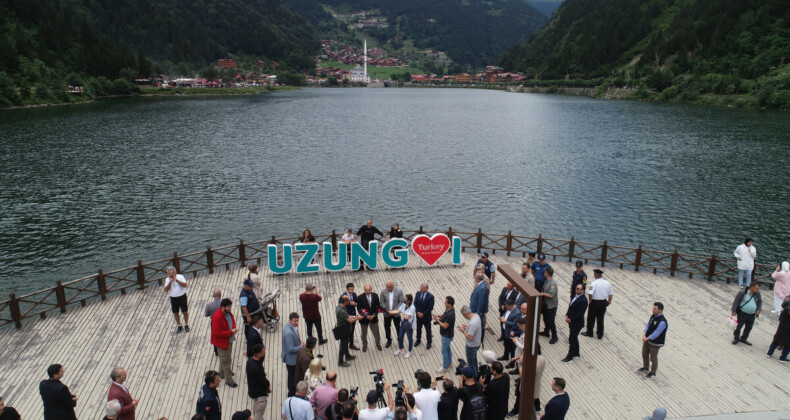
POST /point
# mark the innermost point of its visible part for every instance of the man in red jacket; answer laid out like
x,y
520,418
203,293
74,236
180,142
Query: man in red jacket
x,y
119,392
223,329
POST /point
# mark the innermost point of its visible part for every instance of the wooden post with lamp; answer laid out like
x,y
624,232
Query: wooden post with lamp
x,y
529,357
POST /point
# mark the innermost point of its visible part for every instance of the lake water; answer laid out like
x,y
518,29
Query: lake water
x,y
105,184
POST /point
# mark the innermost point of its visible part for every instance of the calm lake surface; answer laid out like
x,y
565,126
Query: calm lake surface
x,y
101,185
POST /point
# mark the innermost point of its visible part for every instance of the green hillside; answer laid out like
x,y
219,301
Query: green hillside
x,y
699,46
472,32
48,44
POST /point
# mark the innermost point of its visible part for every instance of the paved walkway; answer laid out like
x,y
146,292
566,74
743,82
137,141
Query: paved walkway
x,y
700,372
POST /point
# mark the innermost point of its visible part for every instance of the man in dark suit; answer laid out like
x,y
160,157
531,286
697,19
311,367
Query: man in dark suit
x,y
304,357
508,292
423,304
559,404
58,401
120,393
369,306
255,335
575,319
352,310
509,324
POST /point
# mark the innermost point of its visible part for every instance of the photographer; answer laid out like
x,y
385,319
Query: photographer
x,y
335,411
471,394
374,413
497,392
448,402
427,398
409,411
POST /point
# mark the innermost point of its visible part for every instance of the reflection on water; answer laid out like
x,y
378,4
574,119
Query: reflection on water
x,y
101,185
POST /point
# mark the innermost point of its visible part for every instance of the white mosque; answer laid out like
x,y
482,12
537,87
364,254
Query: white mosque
x,y
360,74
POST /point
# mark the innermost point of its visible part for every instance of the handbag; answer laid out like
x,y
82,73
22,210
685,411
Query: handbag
x,y
341,332
732,323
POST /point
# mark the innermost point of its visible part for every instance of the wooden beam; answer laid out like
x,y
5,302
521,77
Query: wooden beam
x,y
529,357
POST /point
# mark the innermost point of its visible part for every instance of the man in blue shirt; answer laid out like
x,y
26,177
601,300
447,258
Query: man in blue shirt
x,y
489,269
539,268
653,339
297,407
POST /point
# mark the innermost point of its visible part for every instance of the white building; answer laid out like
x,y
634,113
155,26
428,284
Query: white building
x,y
360,74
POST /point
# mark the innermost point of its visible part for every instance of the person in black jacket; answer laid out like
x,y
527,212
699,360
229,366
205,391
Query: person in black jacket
x,y
497,393
58,401
558,405
369,306
575,319
258,386
208,403
448,401
351,308
255,335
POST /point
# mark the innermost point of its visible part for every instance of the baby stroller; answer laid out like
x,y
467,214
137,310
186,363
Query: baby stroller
x,y
269,310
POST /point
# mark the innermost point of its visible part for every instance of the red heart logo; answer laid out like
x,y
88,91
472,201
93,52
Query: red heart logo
x,y
430,249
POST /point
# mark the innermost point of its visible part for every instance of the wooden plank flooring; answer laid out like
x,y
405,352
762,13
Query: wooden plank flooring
x,y
700,372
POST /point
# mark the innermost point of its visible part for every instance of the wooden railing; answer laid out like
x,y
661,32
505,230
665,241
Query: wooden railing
x,y
139,276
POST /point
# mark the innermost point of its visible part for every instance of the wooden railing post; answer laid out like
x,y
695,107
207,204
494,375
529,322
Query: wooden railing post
x,y
16,314
334,240
674,264
422,232
509,241
60,293
102,282
450,232
140,274
638,259
712,267
176,262
604,251
540,244
571,249
242,253
210,259
479,240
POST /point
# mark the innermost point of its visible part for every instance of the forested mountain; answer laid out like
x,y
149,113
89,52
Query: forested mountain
x,y
471,32
547,7
45,42
668,38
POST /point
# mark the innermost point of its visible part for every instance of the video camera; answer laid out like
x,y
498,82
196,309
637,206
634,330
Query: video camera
x,y
378,380
399,398
352,393
483,371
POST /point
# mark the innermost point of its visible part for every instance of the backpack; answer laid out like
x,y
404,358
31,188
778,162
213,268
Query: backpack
x,y
477,407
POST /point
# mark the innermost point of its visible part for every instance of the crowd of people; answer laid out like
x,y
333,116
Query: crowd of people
x,y
480,389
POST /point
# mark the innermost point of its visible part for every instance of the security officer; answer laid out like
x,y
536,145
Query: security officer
x,y
249,305
600,296
489,269
579,277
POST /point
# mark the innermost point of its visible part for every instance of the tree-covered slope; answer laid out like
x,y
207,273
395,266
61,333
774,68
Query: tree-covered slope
x,y
472,32
595,38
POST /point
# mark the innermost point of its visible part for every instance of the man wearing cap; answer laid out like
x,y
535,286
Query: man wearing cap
x,y
489,269
539,271
312,316
249,305
600,296
579,277
470,388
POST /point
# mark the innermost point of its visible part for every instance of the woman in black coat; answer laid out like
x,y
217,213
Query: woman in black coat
x,y
782,336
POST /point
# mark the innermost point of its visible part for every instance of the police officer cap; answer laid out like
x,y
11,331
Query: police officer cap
x,y
532,252
484,255
248,282
579,263
598,271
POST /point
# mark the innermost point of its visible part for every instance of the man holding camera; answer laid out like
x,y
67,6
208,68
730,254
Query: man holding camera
x,y
448,402
496,392
374,413
471,394
427,398
446,324
369,307
335,411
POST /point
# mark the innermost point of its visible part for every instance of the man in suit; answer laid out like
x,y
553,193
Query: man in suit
x,y
58,401
507,292
304,357
559,404
290,348
391,297
509,322
369,306
423,304
575,319
256,334
352,310
478,303
119,392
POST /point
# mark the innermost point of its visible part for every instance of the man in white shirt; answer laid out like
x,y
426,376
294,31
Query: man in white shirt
x,y
745,253
374,413
600,297
176,286
427,399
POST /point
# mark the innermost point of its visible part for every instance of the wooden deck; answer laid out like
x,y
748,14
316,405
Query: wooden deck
x,y
700,372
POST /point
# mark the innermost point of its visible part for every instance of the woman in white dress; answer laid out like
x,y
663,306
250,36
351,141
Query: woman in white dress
x,y
314,376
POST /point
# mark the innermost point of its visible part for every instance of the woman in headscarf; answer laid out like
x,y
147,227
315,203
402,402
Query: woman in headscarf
x,y
782,286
